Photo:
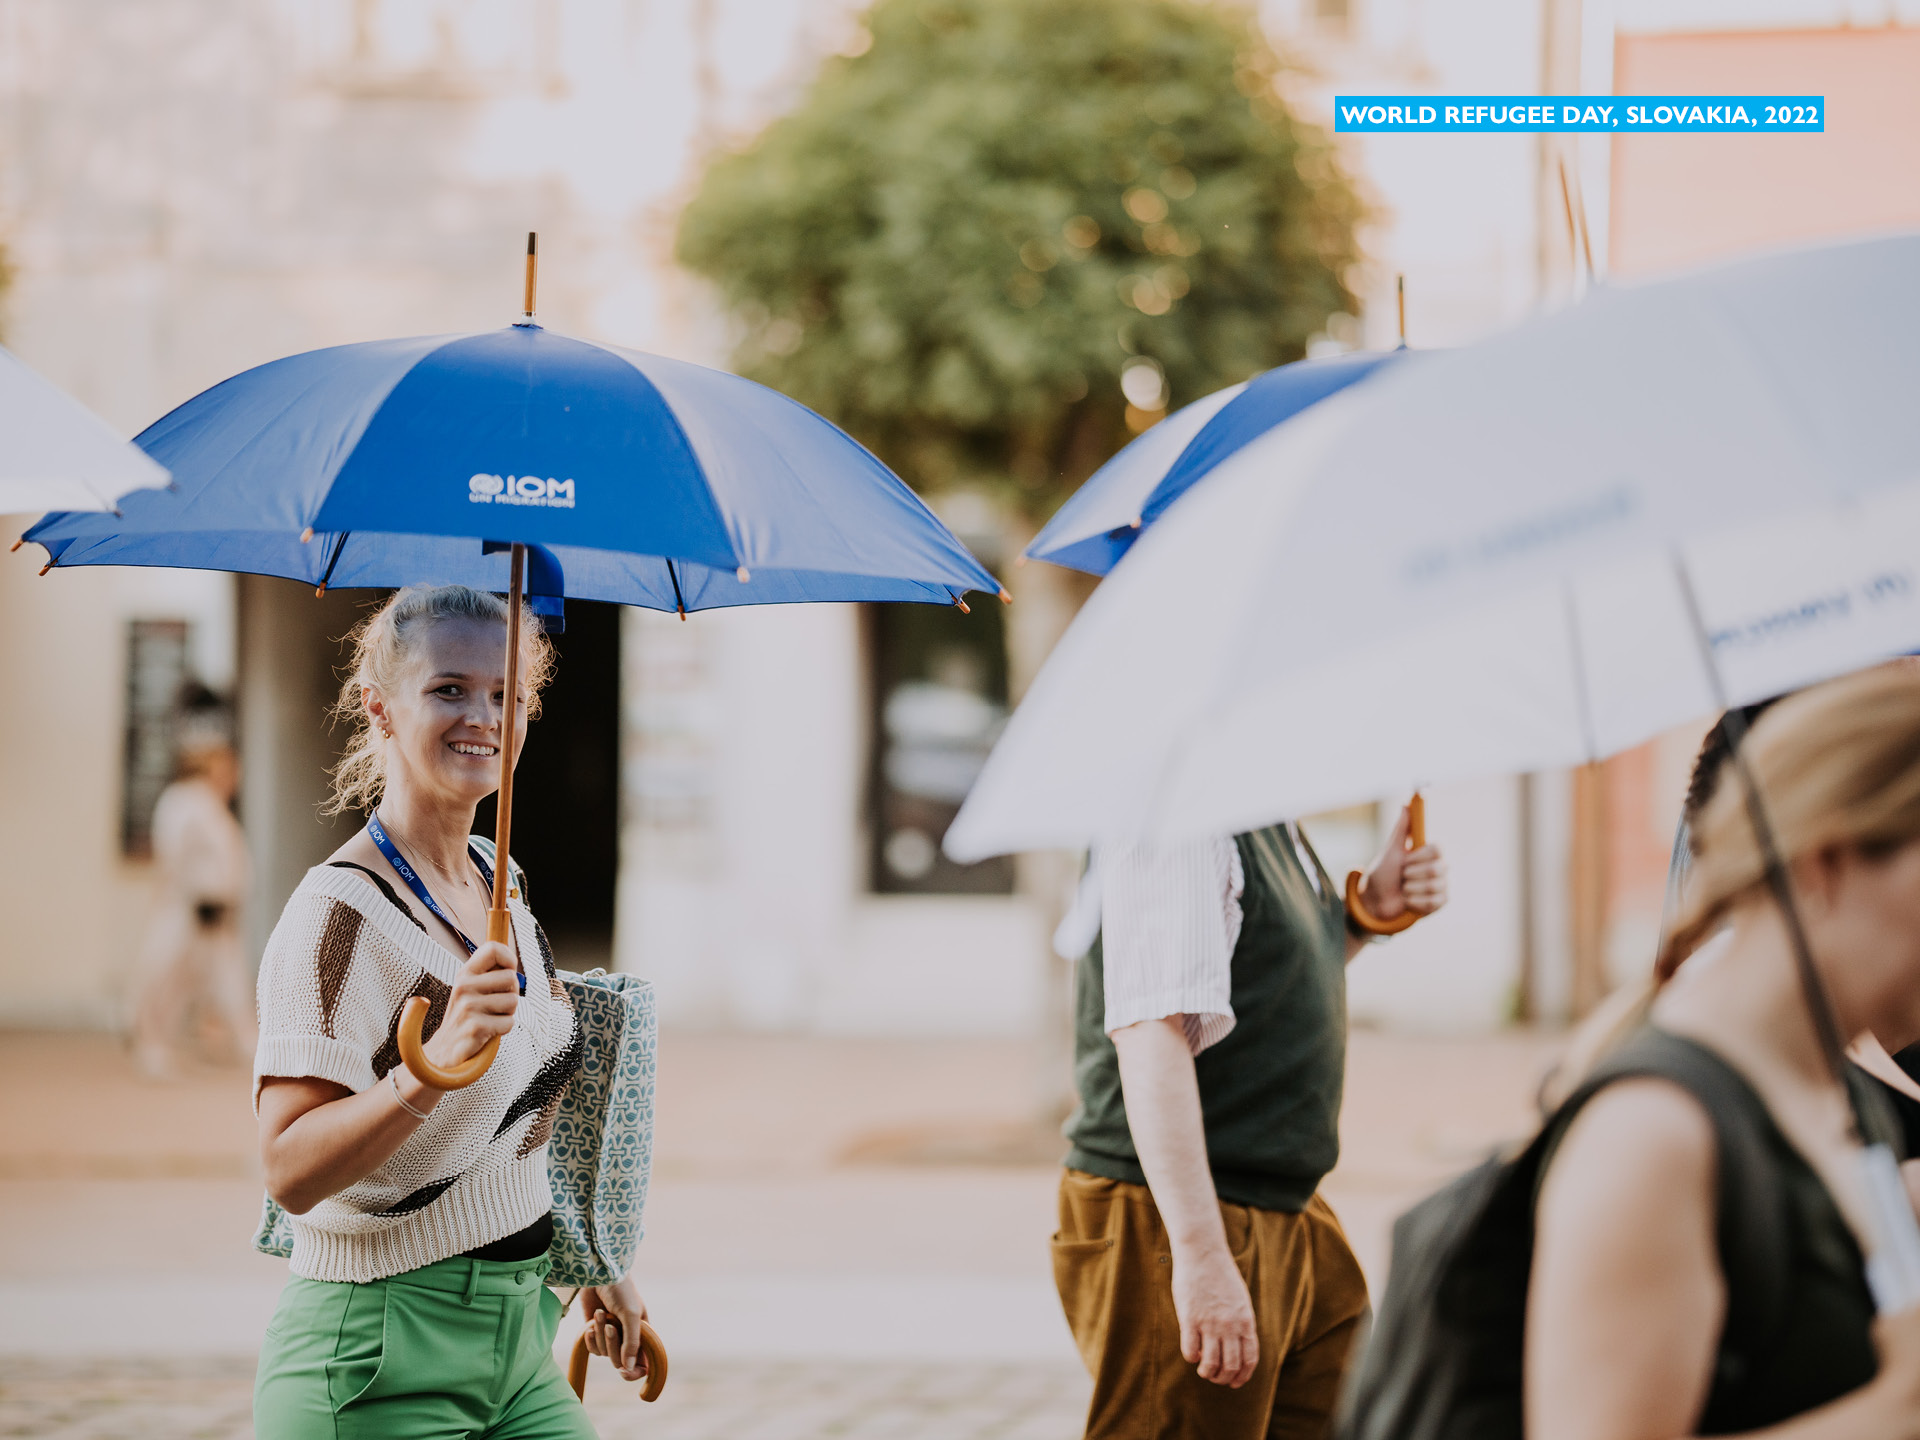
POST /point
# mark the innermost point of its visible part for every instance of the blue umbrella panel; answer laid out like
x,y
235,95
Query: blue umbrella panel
x,y
1101,520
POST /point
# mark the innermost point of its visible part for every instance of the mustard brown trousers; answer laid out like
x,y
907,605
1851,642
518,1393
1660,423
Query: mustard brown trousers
x,y
1114,1268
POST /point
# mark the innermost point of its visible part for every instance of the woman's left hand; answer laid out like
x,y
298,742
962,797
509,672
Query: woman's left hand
x,y
613,1314
1402,879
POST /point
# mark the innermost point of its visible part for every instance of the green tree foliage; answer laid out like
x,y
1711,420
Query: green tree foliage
x,y
958,240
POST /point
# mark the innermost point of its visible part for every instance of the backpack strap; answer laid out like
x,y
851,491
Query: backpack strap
x,y
1878,1114
1751,1224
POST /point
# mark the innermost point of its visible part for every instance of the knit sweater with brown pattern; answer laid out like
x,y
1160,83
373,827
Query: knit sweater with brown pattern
x,y
338,969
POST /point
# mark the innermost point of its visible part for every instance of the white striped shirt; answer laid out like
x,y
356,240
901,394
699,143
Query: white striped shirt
x,y
1169,918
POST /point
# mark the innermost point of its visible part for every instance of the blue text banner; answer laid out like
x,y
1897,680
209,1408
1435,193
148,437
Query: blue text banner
x,y
1605,114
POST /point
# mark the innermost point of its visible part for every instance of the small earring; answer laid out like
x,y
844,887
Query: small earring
x,y
387,730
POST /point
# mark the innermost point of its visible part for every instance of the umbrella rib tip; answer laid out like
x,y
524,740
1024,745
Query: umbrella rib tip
x,y
46,567
1005,598
16,544
306,535
742,575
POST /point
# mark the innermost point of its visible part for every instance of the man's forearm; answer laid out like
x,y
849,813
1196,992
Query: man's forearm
x,y
1163,1111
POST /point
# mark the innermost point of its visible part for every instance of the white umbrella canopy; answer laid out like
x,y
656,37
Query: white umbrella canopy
x,y
1510,557
55,454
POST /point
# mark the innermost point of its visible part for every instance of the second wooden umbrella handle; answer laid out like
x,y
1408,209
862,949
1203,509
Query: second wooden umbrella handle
x,y
1357,908
650,1346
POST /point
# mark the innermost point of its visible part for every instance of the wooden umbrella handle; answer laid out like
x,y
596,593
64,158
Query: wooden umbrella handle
x,y
413,1052
1356,907
650,1346
577,1367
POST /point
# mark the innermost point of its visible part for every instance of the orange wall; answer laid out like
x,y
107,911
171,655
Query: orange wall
x,y
1684,199
1681,200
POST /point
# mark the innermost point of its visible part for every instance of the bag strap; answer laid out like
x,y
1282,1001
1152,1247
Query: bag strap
x,y
393,896
1750,1207
484,846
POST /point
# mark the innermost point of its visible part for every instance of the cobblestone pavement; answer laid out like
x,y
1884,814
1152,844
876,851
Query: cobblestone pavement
x,y
212,1400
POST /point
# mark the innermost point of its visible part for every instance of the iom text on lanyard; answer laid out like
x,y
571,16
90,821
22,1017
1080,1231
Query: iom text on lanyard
x,y
419,887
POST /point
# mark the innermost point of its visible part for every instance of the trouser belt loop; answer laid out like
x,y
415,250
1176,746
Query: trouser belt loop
x,y
473,1282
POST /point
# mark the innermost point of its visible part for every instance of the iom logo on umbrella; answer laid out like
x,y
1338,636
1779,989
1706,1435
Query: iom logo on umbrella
x,y
520,490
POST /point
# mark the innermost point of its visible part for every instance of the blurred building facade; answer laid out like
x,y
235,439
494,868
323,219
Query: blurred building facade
x,y
745,806
191,187
1560,877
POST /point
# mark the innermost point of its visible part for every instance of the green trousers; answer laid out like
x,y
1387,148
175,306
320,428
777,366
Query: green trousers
x,y
457,1350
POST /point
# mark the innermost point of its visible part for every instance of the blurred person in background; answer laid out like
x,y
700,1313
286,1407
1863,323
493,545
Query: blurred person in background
x,y
191,967
1640,1324
1209,1287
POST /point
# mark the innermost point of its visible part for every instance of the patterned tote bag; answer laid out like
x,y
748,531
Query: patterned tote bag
x,y
601,1151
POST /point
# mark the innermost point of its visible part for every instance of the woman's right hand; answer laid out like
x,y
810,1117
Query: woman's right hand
x,y
486,993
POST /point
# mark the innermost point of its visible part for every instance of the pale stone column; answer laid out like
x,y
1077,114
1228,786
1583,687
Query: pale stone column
x,y
290,663
1045,600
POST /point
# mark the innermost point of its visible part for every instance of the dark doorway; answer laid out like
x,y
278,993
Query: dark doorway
x,y
940,697
566,800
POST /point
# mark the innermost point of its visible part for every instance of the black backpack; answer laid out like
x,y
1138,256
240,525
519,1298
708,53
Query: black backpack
x,y
1444,1359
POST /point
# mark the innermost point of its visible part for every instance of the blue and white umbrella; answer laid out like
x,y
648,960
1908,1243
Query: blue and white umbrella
x,y
1541,550
1103,518
639,479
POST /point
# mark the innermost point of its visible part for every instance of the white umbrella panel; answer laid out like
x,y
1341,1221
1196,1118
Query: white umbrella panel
x,y
55,454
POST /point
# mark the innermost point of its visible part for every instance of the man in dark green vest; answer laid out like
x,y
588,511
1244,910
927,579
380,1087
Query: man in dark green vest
x,y
1210,1289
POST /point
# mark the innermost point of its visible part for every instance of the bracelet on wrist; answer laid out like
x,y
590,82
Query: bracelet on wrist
x,y
393,1079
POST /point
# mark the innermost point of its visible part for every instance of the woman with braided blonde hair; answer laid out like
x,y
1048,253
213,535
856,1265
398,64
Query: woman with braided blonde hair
x,y
1892,1061
1642,1316
421,1218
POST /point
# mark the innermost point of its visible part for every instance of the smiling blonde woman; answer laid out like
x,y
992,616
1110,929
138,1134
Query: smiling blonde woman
x,y
421,1218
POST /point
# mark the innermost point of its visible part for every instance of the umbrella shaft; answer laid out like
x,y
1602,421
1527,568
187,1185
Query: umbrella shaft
x,y
498,923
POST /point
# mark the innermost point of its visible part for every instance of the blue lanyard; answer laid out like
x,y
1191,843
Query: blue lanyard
x,y
387,848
